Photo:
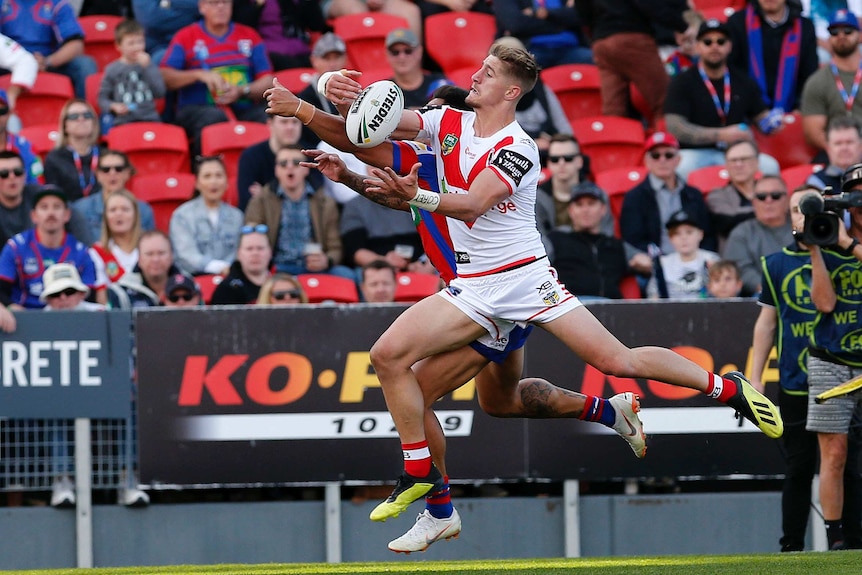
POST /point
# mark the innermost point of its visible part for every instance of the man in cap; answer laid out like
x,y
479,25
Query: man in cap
x,y
684,273
26,256
182,291
831,91
64,290
768,232
648,206
329,54
711,105
589,262
404,54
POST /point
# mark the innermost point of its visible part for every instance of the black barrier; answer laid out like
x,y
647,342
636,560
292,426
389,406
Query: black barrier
x,y
66,365
256,395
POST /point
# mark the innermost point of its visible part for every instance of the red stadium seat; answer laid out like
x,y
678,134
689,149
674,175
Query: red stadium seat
x,y
365,35
616,182
42,138
91,90
99,38
152,147
208,284
718,13
412,286
295,79
230,139
708,178
796,176
788,146
629,288
42,103
328,288
610,141
458,40
164,192
702,5
577,88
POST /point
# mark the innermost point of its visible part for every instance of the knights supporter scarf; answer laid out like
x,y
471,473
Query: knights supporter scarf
x,y
788,61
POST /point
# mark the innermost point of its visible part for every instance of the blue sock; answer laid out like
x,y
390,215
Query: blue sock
x,y
439,503
598,409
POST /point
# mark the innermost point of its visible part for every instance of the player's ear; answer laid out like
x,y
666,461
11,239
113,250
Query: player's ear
x,y
514,92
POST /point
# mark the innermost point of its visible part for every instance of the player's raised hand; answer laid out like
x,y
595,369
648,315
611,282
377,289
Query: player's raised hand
x,y
342,87
388,182
280,101
330,165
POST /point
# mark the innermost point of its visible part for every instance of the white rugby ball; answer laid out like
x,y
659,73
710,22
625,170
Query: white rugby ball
x,y
374,114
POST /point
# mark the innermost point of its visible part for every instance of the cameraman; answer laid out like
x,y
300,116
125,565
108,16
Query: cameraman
x,y
786,305
835,355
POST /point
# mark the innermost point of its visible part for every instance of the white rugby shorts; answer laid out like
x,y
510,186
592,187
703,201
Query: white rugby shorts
x,y
498,302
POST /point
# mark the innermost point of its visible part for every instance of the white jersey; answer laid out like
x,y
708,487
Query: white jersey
x,y
506,235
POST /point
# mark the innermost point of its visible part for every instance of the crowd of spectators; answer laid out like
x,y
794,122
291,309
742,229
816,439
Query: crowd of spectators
x,y
199,62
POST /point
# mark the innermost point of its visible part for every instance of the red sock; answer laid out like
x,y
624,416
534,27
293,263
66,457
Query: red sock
x,y
417,458
720,388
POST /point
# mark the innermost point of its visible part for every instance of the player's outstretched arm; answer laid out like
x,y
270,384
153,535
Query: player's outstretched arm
x,y
486,191
328,127
334,168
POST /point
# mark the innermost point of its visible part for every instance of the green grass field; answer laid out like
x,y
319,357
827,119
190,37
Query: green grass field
x,y
841,563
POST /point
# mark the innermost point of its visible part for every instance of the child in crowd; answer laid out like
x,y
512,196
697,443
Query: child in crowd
x,y
131,84
725,279
684,273
685,56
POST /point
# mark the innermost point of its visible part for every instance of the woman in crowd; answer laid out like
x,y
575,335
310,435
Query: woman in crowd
x,y
72,164
205,230
281,289
116,252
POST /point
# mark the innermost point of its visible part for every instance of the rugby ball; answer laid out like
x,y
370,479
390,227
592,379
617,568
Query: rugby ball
x,y
374,114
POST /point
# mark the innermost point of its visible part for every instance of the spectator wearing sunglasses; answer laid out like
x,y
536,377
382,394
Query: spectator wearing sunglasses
x,y
33,168
404,54
182,291
72,164
113,172
205,230
767,233
831,91
712,105
301,220
17,199
250,269
281,289
648,206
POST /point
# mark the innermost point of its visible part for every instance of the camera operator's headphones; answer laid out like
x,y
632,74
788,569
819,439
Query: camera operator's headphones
x,y
852,177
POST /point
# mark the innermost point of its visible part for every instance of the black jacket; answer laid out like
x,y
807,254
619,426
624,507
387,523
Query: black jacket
x,y
608,17
589,264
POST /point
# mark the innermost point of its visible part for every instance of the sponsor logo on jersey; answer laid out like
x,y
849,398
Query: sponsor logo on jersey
x,y
244,47
31,266
449,143
462,258
454,290
512,164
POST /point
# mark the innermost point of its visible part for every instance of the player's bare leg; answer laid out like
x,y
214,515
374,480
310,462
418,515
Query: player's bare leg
x,y
426,328
593,343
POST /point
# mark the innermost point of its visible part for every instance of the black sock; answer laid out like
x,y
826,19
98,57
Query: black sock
x,y
834,532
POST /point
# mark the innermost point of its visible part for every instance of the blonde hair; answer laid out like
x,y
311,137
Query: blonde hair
x,y
62,138
520,65
107,235
264,297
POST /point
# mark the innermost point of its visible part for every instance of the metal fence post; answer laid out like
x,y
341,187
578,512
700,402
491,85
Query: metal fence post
x,y
571,517
333,522
83,487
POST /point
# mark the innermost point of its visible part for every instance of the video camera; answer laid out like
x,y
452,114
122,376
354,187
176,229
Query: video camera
x,y
823,213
